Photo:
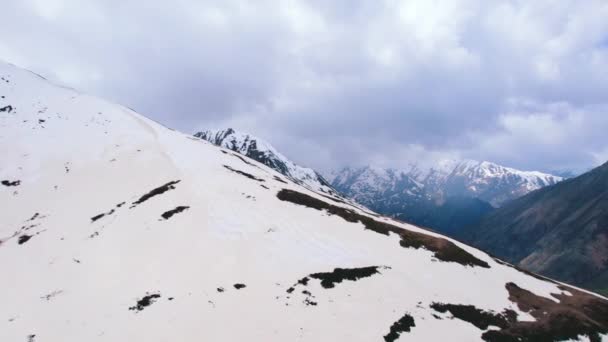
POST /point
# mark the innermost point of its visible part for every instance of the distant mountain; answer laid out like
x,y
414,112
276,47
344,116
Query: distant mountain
x,y
428,196
560,231
261,151
494,183
487,181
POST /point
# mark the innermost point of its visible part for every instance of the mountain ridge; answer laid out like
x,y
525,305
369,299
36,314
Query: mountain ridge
x,y
471,178
263,152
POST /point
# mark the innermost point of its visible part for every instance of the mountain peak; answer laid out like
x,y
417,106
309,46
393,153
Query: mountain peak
x,y
263,152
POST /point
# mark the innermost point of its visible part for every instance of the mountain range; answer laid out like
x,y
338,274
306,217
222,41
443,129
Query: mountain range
x,y
447,197
116,228
484,180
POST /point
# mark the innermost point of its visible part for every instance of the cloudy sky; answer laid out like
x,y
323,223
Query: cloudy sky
x,y
346,82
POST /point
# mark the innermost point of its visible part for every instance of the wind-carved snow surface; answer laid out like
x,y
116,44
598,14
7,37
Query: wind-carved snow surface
x,y
123,230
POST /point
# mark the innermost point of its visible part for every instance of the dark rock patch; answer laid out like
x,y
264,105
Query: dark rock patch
x,y
264,186
97,217
146,301
31,338
279,179
7,109
248,175
220,289
239,286
120,204
34,216
23,239
242,159
479,318
580,314
167,214
303,282
11,183
443,249
41,121
51,295
330,279
154,192
309,302
404,324
28,227
308,296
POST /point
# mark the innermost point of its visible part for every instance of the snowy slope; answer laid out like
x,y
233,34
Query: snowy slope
x,y
115,228
260,150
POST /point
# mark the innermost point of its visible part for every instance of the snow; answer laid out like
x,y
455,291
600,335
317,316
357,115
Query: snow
x,y
485,180
244,143
90,155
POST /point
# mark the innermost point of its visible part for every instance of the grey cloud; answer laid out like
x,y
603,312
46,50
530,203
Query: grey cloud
x,y
344,82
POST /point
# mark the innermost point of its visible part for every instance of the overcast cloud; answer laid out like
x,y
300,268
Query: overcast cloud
x,y
522,83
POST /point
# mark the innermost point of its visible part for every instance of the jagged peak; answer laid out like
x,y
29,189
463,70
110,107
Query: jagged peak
x,y
258,149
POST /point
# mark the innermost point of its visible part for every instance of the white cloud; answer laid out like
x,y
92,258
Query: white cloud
x,y
549,132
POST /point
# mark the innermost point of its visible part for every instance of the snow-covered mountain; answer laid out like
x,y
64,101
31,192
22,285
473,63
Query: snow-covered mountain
x,y
494,183
260,150
115,228
487,181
